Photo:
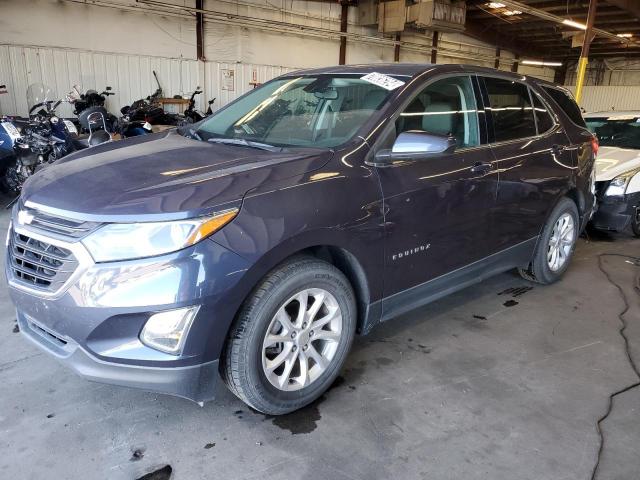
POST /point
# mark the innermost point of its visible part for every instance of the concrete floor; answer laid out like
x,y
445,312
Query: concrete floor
x,y
466,388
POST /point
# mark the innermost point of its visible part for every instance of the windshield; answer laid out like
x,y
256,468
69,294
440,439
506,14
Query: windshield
x,y
38,93
616,131
318,111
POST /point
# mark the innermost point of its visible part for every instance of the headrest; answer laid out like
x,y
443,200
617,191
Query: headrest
x,y
440,119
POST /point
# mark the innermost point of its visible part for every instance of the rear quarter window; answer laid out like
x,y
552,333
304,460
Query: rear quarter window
x,y
566,102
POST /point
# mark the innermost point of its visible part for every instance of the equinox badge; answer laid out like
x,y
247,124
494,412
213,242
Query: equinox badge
x,y
411,251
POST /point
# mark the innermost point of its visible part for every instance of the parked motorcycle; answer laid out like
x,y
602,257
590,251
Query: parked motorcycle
x,y
39,140
191,114
138,117
85,104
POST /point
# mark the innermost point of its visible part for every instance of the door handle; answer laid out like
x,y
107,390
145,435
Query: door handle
x,y
482,167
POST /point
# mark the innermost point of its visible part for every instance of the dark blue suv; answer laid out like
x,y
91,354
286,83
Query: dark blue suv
x,y
252,246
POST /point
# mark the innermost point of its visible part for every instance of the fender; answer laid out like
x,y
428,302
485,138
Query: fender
x,y
269,229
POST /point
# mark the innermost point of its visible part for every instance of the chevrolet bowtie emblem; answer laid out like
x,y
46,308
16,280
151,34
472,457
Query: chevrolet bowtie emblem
x,y
24,217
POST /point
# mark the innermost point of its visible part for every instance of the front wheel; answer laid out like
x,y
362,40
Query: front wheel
x,y
556,244
292,337
635,222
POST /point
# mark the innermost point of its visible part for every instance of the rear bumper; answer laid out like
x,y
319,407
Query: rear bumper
x,y
194,382
615,212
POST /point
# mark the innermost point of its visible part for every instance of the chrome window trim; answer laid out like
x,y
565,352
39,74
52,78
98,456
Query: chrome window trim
x,y
85,261
530,89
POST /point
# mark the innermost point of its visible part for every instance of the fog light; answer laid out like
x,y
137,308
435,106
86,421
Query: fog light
x,y
167,331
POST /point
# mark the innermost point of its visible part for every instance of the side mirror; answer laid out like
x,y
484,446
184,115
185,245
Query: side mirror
x,y
415,145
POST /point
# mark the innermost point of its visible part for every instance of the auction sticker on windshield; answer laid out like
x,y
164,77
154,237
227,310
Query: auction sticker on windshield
x,y
382,80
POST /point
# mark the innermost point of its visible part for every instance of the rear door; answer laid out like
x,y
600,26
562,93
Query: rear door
x,y
530,148
437,208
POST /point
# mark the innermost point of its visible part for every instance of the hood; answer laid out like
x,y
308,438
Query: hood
x,y
614,161
161,176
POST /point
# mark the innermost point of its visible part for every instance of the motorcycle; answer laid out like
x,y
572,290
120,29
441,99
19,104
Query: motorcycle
x,y
37,141
138,117
85,104
191,114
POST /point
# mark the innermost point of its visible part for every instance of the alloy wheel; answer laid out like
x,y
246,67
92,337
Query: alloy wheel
x,y
302,339
561,242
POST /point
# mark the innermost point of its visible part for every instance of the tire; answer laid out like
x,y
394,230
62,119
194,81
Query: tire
x,y
635,223
545,268
252,365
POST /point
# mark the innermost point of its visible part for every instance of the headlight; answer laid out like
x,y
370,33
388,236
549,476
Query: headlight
x,y
616,186
620,184
167,331
126,241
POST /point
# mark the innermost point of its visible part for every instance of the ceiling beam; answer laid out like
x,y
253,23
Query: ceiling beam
x,y
559,20
497,39
631,6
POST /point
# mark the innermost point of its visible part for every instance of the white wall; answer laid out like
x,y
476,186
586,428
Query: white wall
x,y
612,83
608,98
64,43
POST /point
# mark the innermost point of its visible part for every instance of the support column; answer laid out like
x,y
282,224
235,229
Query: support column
x,y
516,62
200,31
396,49
584,55
496,64
344,13
434,46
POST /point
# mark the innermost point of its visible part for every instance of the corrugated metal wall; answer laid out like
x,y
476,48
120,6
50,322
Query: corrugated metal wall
x,y
219,84
130,76
603,98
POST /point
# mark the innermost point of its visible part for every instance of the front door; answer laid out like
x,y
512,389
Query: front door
x,y
437,208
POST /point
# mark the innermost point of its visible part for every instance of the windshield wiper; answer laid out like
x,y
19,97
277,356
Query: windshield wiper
x,y
245,143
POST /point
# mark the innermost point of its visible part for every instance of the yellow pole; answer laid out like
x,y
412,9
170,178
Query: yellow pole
x,y
582,70
584,55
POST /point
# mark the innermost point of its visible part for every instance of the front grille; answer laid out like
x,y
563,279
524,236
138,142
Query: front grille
x,y
38,264
66,227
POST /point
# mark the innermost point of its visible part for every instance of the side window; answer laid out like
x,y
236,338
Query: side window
x,y
446,107
511,109
543,117
567,104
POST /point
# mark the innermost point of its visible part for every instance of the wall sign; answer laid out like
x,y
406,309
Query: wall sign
x,y
228,79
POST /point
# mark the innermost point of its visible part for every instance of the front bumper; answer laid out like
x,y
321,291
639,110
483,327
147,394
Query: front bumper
x,y
93,324
615,212
193,382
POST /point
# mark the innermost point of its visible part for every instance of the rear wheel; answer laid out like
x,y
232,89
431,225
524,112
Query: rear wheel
x,y
291,337
556,244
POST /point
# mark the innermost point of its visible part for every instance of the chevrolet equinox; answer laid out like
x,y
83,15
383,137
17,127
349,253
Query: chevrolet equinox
x,y
252,246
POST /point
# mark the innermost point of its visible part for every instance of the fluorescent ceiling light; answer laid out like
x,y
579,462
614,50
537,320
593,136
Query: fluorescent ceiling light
x,y
541,63
512,12
625,35
571,23
496,5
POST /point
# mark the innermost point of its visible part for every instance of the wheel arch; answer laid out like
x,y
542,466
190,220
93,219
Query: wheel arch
x,y
337,255
578,198
348,264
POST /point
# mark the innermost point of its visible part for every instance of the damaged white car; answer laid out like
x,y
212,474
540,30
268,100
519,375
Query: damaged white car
x,y
617,170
